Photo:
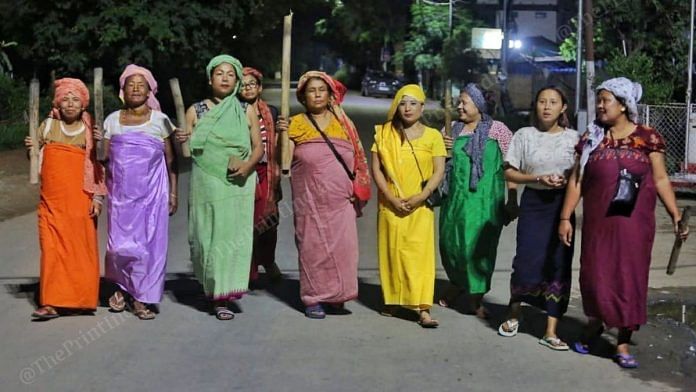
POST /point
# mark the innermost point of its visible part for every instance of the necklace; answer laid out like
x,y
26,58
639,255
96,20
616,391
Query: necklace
x,y
73,133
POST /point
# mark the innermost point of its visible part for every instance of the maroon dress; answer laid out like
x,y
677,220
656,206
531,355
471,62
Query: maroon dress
x,y
616,249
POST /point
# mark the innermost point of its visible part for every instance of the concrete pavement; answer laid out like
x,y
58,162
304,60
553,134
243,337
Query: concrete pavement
x,y
271,346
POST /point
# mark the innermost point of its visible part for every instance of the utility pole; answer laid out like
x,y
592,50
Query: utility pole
x,y
503,75
589,58
578,64
690,153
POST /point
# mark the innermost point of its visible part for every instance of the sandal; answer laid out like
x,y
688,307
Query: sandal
x,y
45,313
117,302
554,343
223,313
389,310
427,321
315,312
449,298
626,361
583,346
509,328
142,313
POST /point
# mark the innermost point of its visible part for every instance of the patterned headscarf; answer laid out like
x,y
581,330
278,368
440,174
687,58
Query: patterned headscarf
x,y
338,90
630,92
474,148
133,69
93,171
253,72
226,58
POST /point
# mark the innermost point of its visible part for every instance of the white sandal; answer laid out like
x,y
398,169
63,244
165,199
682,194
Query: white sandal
x,y
511,325
554,343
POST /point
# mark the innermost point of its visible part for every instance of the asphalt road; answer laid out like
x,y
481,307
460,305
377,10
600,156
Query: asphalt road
x,y
271,346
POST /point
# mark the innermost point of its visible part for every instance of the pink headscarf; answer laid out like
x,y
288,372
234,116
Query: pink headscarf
x,y
133,69
94,171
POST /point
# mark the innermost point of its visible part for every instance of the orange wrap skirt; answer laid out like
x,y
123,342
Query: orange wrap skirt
x,y
67,234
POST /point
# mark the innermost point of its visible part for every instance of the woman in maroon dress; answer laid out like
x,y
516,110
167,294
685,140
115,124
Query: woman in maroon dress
x,y
616,245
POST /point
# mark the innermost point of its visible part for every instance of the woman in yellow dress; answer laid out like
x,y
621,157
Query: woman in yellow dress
x,y
408,163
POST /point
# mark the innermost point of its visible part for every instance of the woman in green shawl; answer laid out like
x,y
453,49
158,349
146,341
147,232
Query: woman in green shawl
x,y
225,147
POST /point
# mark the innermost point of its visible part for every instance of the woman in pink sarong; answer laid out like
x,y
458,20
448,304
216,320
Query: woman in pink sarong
x,y
325,149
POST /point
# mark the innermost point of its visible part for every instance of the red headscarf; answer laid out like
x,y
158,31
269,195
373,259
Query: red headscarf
x,y
94,171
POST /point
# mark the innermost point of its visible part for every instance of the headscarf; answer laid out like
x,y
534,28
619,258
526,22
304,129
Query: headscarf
x,y
93,170
474,148
271,147
133,69
630,92
226,58
338,92
388,139
224,130
337,88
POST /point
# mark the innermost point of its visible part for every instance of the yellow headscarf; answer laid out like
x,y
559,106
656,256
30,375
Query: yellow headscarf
x,y
412,90
388,139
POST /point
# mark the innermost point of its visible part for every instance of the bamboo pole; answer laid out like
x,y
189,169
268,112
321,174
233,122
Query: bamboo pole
x,y
34,131
99,109
448,112
286,159
180,114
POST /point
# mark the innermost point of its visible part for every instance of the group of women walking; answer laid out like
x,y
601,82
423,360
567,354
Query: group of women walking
x,y
234,193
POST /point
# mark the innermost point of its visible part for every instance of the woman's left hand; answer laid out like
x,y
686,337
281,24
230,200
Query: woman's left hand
x,y
681,234
173,203
282,124
415,201
95,209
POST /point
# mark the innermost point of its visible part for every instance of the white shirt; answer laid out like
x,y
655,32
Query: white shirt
x,y
541,153
158,126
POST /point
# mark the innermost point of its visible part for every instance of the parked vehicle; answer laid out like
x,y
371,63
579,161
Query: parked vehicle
x,y
375,83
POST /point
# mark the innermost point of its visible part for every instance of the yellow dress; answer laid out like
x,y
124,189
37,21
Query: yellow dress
x,y
407,244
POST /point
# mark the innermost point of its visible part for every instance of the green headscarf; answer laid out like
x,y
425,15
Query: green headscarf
x,y
224,130
226,58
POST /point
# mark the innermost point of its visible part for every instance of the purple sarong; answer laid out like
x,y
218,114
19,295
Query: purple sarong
x,y
138,186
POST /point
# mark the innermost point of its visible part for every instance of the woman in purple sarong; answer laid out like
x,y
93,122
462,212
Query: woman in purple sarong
x,y
142,192
616,244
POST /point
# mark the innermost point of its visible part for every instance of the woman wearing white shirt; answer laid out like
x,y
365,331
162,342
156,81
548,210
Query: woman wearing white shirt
x,y
541,157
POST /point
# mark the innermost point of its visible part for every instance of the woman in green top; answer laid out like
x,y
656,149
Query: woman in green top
x,y
225,146
474,211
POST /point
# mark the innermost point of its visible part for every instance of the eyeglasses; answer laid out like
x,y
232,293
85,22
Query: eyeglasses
x,y
250,85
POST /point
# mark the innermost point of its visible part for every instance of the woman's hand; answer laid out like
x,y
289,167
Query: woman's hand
x,y
565,232
555,181
449,142
682,234
282,124
399,205
28,142
173,203
237,168
97,133
512,210
415,201
95,208
181,135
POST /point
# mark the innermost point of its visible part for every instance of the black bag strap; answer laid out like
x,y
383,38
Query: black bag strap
x,y
414,155
351,175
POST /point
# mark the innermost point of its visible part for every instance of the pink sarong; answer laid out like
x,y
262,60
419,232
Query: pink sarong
x,y
325,228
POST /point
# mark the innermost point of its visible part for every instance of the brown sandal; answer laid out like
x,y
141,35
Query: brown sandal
x,y
142,313
45,313
117,302
427,321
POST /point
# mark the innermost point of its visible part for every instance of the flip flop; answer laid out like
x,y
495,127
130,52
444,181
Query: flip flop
x,y
626,361
554,343
117,302
223,313
315,312
584,345
43,313
513,326
428,322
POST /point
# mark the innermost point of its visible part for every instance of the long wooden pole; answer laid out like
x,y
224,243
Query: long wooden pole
x,y
180,113
99,108
286,159
34,131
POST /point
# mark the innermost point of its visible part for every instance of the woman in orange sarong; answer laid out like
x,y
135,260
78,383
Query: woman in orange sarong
x,y
72,189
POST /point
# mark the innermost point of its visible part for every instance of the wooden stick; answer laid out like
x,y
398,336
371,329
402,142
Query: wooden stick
x,y
34,131
99,109
180,114
676,248
285,157
448,112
